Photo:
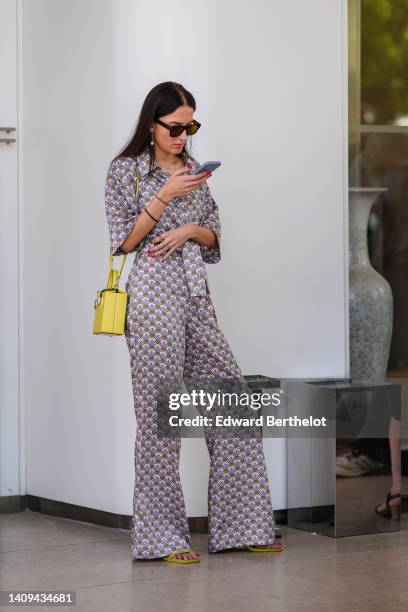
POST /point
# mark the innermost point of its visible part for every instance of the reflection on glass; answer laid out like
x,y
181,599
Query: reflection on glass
x,y
378,157
384,62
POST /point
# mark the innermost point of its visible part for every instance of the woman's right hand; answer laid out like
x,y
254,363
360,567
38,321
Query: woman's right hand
x,y
180,183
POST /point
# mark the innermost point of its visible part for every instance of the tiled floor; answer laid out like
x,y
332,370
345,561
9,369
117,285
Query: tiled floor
x,y
359,573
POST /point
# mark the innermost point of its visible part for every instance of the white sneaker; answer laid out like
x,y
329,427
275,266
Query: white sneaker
x,y
351,464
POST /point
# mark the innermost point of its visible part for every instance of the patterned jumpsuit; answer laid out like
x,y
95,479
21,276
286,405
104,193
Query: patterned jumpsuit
x,y
171,330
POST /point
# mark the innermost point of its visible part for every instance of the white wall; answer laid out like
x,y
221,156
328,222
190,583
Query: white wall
x,y
270,81
9,259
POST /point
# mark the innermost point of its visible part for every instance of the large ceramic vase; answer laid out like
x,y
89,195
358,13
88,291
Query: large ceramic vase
x,y
371,302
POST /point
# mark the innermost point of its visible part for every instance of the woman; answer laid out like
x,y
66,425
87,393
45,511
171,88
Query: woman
x,y
172,332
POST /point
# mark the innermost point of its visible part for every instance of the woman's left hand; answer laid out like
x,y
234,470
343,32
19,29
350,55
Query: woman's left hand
x,y
169,241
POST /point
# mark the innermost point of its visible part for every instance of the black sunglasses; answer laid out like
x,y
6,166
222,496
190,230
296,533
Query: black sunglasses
x,y
176,130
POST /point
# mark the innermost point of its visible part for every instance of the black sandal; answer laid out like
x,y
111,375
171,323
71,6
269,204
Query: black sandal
x,y
389,511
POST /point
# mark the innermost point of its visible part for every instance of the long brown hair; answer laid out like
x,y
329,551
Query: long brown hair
x,y
162,100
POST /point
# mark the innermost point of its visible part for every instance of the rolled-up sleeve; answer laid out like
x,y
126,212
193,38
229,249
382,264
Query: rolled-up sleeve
x,y
211,219
121,205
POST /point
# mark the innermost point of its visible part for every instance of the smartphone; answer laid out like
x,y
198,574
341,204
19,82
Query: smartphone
x,y
208,166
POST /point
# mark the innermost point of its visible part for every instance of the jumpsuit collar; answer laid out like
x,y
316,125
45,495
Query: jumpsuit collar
x,y
144,161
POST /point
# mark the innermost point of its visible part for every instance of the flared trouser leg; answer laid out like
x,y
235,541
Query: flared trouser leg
x,y
239,503
155,334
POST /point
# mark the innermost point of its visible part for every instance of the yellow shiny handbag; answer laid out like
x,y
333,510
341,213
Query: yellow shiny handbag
x,y
111,303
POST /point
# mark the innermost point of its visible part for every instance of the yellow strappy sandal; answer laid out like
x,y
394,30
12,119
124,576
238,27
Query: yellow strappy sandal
x,y
171,556
272,548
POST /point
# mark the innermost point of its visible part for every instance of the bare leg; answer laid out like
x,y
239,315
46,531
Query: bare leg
x,y
395,450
